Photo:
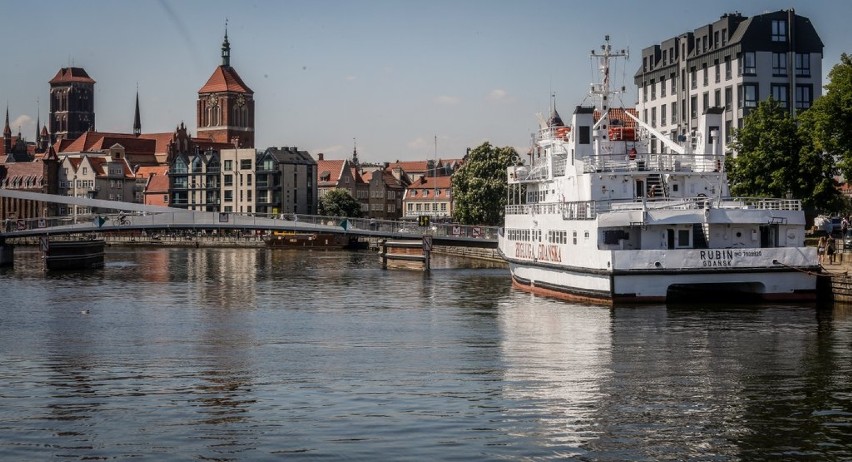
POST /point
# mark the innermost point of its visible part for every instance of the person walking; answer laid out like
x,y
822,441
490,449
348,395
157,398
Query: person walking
x,y
821,249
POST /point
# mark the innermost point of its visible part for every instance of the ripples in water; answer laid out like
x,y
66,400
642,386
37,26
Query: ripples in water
x,y
254,354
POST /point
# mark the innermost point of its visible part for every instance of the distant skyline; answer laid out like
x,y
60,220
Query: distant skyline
x,y
389,75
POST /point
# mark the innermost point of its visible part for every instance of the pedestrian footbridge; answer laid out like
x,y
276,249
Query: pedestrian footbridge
x,y
126,217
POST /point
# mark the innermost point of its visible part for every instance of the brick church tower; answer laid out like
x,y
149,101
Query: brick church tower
x,y
72,103
225,110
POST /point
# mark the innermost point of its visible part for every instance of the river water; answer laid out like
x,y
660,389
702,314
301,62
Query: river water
x,y
256,354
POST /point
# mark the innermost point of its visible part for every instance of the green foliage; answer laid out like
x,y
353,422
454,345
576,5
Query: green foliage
x,y
776,157
830,117
339,203
480,186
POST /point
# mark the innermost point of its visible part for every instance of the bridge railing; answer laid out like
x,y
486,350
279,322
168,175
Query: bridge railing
x,y
247,222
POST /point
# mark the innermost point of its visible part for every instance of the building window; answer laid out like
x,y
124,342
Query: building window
x,y
779,64
674,113
706,73
645,115
229,179
693,106
663,87
229,195
727,68
729,98
663,115
674,83
779,93
779,30
804,96
653,116
229,165
245,164
644,93
748,65
693,77
803,65
706,102
748,96
653,90
718,70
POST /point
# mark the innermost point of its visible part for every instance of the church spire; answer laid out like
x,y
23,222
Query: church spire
x,y
7,133
355,153
137,121
226,48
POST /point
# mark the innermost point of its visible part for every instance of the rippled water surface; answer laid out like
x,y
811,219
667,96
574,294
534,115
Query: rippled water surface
x,y
224,354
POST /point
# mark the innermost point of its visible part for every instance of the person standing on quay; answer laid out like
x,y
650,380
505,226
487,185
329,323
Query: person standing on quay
x,y
829,249
821,249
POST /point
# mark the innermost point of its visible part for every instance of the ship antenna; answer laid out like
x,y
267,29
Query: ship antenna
x,y
602,89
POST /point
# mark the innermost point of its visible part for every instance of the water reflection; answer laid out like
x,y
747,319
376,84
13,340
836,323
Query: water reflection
x,y
557,361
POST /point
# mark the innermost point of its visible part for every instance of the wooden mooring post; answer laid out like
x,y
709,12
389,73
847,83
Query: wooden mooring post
x,y
406,254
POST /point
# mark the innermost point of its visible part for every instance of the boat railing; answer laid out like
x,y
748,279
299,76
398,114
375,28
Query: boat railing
x,y
589,210
620,162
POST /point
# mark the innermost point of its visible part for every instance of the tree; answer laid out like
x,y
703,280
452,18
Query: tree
x,y
480,185
830,117
775,158
339,203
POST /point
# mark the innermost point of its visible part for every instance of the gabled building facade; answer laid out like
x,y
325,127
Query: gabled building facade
x,y
733,64
385,193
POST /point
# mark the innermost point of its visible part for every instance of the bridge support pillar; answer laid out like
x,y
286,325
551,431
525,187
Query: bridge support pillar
x,y
7,254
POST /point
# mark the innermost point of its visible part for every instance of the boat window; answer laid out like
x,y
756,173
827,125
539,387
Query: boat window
x,y
584,134
683,238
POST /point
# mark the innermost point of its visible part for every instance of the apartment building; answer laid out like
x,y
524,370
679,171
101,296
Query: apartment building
x,y
732,63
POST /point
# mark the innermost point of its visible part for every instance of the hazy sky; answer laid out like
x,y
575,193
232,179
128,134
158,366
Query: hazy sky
x,y
391,75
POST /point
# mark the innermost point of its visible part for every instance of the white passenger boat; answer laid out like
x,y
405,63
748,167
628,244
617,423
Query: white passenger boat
x,y
595,215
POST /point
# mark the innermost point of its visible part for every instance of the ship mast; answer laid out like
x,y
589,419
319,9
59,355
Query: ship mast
x,y
602,89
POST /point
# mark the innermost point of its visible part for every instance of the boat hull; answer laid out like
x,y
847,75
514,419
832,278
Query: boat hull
x,y
73,255
608,287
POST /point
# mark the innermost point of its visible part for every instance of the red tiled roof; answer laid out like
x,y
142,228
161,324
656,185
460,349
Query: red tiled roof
x,y
412,166
225,78
157,184
148,171
22,171
334,169
429,182
71,74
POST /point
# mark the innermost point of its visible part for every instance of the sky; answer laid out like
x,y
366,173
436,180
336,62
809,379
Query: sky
x,y
398,79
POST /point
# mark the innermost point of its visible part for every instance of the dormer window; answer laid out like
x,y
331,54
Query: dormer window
x,y
779,30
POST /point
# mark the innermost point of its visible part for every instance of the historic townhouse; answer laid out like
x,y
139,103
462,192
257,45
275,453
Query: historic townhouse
x,y
386,189
429,196
96,175
731,64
